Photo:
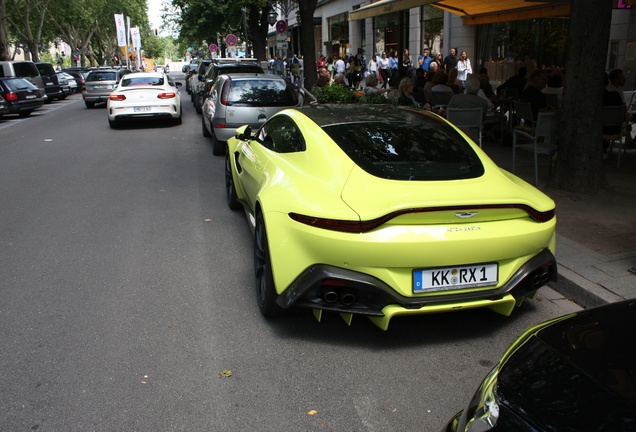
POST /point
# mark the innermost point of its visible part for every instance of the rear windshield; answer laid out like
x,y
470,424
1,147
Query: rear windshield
x,y
45,68
18,84
25,69
407,150
141,81
101,76
257,92
239,69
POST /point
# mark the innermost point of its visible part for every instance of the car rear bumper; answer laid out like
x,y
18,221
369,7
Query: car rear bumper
x,y
342,290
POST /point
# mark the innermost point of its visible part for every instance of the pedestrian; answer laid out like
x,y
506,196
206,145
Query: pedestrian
x,y
450,61
463,67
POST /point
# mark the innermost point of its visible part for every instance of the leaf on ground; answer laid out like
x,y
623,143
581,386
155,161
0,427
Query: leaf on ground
x,y
312,412
226,373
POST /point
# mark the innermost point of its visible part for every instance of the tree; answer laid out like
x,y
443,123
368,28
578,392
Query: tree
x,y
306,8
579,158
27,18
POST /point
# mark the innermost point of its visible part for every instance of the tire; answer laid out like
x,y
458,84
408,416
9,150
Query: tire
x,y
89,105
265,290
230,190
197,105
204,130
24,114
218,147
178,120
113,124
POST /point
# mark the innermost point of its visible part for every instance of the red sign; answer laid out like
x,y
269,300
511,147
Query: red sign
x,y
231,39
213,48
281,26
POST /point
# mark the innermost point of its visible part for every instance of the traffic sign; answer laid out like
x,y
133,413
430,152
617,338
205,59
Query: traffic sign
x,y
281,26
231,39
213,48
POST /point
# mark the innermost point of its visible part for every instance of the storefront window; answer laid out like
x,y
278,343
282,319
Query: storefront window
x,y
433,28
387,35
538,42
339,35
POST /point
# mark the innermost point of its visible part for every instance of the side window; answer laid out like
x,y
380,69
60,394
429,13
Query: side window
x,y
281,135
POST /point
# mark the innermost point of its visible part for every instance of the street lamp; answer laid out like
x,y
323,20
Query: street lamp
x,y
272,17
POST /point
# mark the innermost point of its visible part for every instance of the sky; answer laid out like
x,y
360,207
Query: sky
x,y
154,13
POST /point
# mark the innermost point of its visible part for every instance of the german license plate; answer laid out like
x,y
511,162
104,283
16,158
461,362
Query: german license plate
x,y
141,109
453,278
100,86
30,96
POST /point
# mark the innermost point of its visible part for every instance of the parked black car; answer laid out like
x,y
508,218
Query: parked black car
x,y
216,68
50,80
573,373
4,108
21,96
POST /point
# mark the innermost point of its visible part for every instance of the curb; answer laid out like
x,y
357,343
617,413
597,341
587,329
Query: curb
x,y
583,292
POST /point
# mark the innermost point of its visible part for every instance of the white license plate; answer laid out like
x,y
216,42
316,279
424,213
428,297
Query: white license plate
x,y
453,278
100,87
49,83
141,109
30,96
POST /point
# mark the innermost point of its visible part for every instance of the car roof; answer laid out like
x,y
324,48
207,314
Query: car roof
x,y
329,114
145,74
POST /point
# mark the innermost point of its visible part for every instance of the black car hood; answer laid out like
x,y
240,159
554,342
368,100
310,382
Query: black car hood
x,y
578,374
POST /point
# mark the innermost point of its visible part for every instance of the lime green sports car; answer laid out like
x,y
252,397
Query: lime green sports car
x,y
383,211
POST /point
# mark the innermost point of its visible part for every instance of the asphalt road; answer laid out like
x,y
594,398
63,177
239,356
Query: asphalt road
x,y
127,300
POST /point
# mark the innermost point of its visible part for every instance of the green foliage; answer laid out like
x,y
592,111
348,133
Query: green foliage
x,y
337,93
340,94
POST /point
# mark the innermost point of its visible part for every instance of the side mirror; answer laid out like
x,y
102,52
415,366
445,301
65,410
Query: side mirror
x,y
178,84
244,133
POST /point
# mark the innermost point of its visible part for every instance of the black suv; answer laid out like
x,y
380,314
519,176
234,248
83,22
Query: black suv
x,y
51,84
218,67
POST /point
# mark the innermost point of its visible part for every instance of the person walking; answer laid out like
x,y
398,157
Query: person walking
x,y
384,70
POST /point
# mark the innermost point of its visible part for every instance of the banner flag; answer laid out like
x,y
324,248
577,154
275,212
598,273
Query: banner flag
x,y
121,30
136,38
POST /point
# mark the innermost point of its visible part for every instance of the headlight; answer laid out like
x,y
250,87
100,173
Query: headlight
x,y
483,411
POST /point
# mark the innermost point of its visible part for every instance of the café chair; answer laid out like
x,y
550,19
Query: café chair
x,y
542,137
440,99
614,120
468,120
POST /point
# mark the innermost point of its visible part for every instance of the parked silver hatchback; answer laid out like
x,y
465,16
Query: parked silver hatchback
x,y
239,99
99,85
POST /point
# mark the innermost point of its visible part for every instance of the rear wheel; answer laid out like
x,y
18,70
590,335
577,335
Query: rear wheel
x,y
230,190
89,105
197,105
24,114
204,130
218,147
265,291
113,124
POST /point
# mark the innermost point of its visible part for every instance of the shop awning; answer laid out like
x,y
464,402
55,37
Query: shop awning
x,y
384,7
472,11
492,11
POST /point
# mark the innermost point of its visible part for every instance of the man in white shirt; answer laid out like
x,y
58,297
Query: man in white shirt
x,y
340,66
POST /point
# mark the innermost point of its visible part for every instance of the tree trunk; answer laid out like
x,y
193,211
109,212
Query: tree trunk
x,y
307,41
258,25
4,35
579,159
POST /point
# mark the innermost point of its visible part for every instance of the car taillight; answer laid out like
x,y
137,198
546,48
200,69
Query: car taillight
x,y
12,96
117,97
225,91
167,95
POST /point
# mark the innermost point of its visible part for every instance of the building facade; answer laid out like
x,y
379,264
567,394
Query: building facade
x,y
523,34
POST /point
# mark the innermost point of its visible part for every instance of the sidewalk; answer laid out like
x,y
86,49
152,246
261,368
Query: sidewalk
x,y
596,234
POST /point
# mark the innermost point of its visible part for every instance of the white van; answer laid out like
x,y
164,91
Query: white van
x,y
23,69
